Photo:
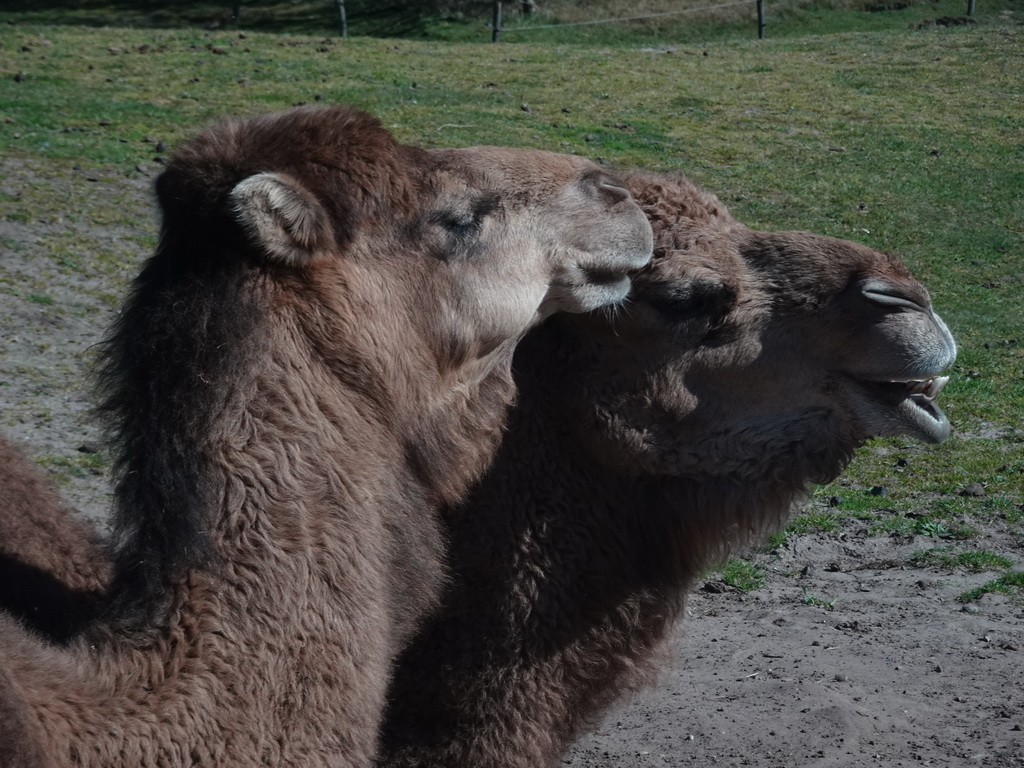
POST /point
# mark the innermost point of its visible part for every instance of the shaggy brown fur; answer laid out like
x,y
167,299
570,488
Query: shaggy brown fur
x,y
635,457
56,565
643,449
315,357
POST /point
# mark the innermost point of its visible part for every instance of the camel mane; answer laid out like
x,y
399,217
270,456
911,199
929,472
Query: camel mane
x,y
194,329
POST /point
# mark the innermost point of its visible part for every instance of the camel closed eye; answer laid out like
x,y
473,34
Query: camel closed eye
x,y
462,226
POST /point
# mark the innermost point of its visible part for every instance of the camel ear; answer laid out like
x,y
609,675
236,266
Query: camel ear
x,y
282,217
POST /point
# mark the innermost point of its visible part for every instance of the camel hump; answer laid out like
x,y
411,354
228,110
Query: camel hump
x,y
282,217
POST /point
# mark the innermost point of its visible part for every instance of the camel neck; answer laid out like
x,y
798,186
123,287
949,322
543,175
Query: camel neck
x,y
306,541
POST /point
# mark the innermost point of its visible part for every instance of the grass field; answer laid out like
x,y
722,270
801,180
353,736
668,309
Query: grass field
x,y
907,139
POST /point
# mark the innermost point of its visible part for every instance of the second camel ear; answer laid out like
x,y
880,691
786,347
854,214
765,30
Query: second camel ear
x,y
282,217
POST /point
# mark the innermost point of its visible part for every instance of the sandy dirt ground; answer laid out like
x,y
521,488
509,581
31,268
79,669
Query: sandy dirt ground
x,y
846,657
896,673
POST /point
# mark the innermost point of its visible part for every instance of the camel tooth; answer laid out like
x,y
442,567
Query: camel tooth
x,y
926,392
935,385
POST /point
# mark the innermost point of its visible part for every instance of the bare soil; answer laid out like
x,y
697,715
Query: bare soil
x,y
846,657
897,673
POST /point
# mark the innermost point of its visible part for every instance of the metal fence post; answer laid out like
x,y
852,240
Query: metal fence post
x,y
760,19
342,18
970,7
496,22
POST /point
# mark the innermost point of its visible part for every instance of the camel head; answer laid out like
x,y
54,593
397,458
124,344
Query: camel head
x,y
467,248
745,353
318,278
558,219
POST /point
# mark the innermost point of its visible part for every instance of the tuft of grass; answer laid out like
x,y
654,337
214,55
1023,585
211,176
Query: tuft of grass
x,y
810,598
809,522
921,526
973,561
742,575
79,465
1008,584
815,522
10,243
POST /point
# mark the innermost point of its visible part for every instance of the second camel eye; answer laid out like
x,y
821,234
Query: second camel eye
x,y
461,225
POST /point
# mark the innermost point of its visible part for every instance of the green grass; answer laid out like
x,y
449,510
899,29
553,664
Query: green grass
x,y
1011,584
904,139
810,598
79,465
973,561
742,575
808,522
815,522
921,526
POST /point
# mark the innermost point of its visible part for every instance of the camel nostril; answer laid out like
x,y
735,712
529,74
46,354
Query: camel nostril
x,y
889,295
614,192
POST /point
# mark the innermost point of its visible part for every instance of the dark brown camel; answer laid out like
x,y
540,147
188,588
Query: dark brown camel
x,y
314,359
646,446
54,566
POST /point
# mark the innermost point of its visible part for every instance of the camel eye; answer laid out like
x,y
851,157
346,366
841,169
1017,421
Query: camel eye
x,y
704,297
463,224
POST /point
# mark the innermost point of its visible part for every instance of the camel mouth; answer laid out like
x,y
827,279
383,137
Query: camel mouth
x,y
604,287
913,401
606,277
585,289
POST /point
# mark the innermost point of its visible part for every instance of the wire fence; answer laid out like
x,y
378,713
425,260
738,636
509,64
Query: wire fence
x,y
624,18
497,30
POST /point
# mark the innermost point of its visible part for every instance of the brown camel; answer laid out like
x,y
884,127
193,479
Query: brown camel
x,y
55,565
316,357
645,446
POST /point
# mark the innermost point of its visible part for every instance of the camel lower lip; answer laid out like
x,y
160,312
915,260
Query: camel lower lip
x,y
926,418
912,402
